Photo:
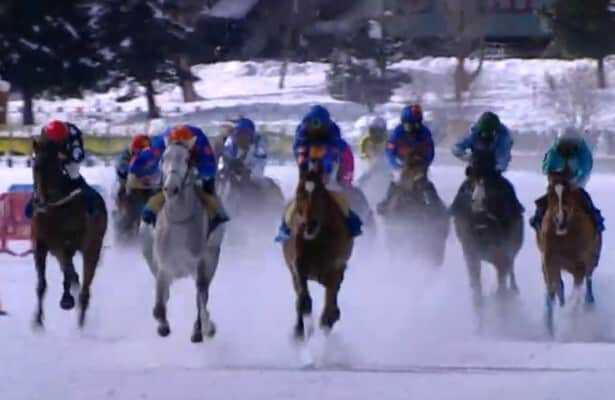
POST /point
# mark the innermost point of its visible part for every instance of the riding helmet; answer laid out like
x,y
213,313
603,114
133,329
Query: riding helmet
x,y
138,143
245,125
567,143
487,124
55,131
411,114
317,119
378,124
181,133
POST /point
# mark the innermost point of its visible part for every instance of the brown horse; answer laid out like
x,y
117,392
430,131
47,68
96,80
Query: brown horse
x,y
61,226
319,248
415,213
568,241
129,203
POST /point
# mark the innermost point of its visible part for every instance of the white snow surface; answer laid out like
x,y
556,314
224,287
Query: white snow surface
x,y
406,331
515,88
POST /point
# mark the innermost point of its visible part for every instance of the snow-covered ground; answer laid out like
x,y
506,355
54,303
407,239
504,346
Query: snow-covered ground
x,y
517,89
406,331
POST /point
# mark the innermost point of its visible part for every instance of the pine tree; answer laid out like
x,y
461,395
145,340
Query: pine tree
x,y
583,29
46,49
140,42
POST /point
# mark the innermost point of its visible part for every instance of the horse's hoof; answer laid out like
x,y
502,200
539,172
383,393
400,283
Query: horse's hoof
x,y
197,337
299,334
211,330
3,313
37,324
158,312
164,330
67,302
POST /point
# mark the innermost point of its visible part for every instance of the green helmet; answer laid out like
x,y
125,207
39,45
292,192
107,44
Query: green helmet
x,y
487,124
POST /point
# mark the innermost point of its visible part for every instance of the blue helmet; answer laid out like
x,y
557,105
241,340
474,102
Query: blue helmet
x,y
245,125
411,114
317,118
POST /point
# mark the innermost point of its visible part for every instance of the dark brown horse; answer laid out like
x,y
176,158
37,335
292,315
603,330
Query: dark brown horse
x,y
61,226
415,214
319,248
568,241
489,227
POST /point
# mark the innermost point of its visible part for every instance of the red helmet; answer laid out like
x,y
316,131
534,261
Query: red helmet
x,y
181,133
139,142
56,131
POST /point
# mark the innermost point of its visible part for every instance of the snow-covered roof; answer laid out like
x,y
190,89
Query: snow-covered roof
x,y
235,9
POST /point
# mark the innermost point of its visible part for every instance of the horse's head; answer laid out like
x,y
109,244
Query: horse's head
x,y
479,195
48,158
560,201
311,192
176,167
414,170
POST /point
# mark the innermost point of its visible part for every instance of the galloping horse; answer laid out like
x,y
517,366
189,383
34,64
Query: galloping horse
x,y
567,241
251,205
62,226
129,203
181,244
319,248
489,227
416,215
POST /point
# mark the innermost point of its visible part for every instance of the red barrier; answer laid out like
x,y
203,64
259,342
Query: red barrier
x,y
13,223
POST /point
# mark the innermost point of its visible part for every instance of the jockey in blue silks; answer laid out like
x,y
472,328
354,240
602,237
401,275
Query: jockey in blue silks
x,y
317,128
246,146
410,134
569,150
491,138
147,162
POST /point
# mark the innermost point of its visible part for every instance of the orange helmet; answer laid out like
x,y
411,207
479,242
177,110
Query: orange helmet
x,y
139,142
181,133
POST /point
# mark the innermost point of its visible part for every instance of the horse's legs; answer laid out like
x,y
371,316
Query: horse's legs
x,y
589,290
71,280
160,309
203,321
303,304
331,312
554,286
90,262
40,260
474,271
514,288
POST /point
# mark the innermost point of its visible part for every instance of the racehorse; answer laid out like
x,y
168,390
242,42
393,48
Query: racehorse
x,y
488,227
319,248
129,203
252,206
180,244
62,226
567,241
416,216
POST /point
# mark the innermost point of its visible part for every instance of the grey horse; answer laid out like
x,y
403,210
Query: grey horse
x,y
180,244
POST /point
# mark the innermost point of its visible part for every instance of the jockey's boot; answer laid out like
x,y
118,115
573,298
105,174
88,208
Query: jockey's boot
x,y
284,229
591,209
541,208
213,205
460,197
384,204
353,221
152,207
510,193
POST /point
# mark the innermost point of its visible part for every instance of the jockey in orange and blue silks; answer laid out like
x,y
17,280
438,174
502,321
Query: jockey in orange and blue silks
x,y
338,162
410,134
147,163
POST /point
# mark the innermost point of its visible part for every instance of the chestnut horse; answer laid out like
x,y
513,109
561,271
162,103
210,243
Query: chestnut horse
x,y
62,226
416,215
319,248
568,241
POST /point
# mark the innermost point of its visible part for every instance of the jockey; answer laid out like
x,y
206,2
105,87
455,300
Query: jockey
x,y
70,139
410,133
372,142
247,147
146,162
569,150
491,137
317,128
122,165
